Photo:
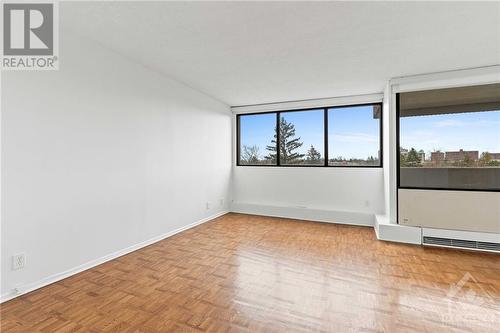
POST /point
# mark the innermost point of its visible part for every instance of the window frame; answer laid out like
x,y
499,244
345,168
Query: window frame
x,y
398,166
325,139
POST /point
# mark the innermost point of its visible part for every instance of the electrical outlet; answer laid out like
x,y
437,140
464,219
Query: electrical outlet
x,y
18,261
221,202
209,205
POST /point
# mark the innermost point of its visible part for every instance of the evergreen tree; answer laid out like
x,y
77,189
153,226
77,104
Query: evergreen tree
x,y
412,159
288,145
313,154
250,154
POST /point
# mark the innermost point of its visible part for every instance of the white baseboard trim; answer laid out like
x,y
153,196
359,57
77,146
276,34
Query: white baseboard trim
x,y
303,213
62,275
394,232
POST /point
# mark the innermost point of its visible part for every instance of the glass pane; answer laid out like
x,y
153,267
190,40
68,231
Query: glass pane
x,y
458,151
257,139
302,138
354,136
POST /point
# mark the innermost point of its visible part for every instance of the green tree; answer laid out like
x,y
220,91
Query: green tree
x,y
402,160
288,145
485,159
467,161
313,155
413,159
250,154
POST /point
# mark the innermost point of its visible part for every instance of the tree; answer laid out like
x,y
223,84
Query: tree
x,y
313,155
485,158
467,161
402,160
250,154
288,144
372,160
412,159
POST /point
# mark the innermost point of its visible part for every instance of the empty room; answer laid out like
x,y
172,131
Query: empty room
x,y
237,166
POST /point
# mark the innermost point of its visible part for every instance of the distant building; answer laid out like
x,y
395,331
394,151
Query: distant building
x,y
495,156
437,156
421,154
456,156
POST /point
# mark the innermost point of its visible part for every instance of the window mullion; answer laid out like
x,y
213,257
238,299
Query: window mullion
x,y
325,147
278,162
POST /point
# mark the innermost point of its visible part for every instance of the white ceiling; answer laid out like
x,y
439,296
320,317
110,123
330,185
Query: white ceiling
x,y
257,52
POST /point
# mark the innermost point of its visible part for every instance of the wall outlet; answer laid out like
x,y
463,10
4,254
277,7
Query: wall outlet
x,y
18,261
406,220
221,202
209,205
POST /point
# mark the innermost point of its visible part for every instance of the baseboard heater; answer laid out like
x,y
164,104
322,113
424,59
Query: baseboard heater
x,y
467,240
461,244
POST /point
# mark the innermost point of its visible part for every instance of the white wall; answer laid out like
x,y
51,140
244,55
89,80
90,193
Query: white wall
x,y
101,155
359,191
457,210
388,145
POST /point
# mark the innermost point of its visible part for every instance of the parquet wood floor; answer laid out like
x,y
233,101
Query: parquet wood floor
x,y
243,273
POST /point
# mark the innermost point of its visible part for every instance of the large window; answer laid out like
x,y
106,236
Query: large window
x,y
302,138
347,136
257,139
354,135
450,138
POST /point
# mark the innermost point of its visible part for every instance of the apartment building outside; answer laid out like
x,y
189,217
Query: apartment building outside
x,y
456,156
495,156
437,156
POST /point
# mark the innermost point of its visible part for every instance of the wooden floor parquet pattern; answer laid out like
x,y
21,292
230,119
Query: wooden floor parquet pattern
x,y
244,273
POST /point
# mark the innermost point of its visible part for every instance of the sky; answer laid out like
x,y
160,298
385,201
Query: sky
x,y
353,133
451,132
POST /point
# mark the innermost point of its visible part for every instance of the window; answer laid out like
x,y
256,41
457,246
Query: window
x,y
450,138
257,139
354,135
351,133
302,138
